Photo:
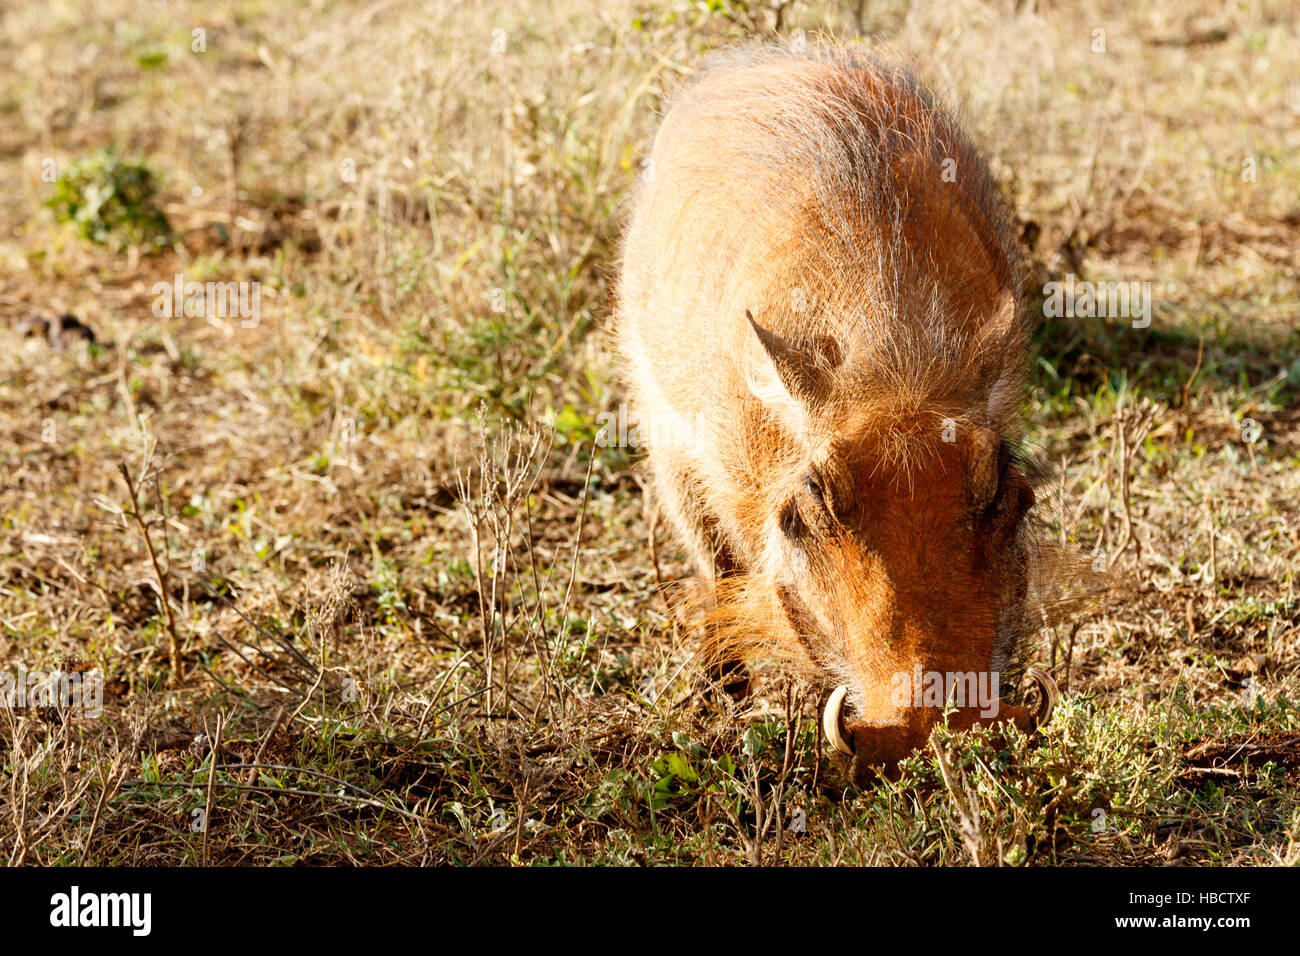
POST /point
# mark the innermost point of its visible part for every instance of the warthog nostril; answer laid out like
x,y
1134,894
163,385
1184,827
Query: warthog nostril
x,y
833,721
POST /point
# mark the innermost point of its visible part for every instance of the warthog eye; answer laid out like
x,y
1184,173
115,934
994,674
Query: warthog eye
x,y
809,509
999,487
1013,495
1004,467
814,487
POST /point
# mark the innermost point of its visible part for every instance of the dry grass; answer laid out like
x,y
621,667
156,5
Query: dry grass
x,y
414,616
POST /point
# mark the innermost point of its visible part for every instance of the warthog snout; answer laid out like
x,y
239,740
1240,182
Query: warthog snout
x,y
873,749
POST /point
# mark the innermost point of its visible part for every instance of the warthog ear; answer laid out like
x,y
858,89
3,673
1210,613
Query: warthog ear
x,y
1004,316
997,335
807,374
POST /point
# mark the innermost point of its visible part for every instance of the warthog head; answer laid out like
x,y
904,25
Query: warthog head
x,y
900,560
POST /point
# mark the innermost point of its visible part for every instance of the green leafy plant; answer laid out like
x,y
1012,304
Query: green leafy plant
x,y
107,199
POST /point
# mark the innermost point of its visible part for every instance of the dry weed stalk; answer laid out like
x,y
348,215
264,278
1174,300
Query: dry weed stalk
x,y
45,787
506,470
1132,425
162,576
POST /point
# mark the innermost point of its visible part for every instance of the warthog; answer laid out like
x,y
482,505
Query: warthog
x,y
817,316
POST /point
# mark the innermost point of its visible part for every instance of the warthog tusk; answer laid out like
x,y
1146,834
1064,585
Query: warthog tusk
x,y
833,720
1051,694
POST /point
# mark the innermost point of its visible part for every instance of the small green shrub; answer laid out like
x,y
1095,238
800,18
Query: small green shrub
x,y
107,199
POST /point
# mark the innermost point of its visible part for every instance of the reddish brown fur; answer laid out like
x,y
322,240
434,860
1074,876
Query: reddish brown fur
x,y
808,191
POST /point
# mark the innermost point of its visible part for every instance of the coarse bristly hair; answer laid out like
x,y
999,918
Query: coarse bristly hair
x,y
853,154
